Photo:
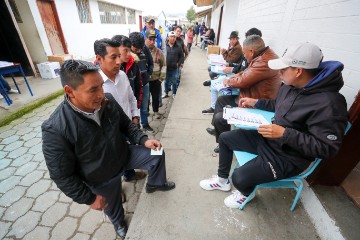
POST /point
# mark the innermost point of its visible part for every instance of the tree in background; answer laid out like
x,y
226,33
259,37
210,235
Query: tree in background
x,y
190,14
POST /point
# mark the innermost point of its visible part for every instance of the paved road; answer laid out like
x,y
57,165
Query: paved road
x,y
31,206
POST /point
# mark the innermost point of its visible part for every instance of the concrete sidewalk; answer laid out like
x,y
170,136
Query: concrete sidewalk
x,y
188,212
41,88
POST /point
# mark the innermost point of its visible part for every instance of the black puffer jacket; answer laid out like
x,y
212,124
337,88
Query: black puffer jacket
x,y
78,152
314,117
174,56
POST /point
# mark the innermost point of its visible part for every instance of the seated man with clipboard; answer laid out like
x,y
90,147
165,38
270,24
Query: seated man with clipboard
x,y
310,119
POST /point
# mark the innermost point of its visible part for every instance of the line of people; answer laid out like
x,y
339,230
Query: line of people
x,y
93,139
310,113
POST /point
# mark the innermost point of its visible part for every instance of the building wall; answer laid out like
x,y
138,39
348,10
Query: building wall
x,y
30,33
332,24
215,18
229,22
79,37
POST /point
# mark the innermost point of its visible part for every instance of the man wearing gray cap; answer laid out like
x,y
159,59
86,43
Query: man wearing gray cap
x,y
150,24
309,123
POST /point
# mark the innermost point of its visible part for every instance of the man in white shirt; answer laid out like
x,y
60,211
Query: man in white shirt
x,y
117,84
115,81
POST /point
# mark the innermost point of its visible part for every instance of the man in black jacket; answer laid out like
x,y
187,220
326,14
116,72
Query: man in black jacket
x,y
174,59
85,147
310,120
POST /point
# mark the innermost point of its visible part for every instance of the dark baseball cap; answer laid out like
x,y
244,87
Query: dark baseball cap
x,y
150,33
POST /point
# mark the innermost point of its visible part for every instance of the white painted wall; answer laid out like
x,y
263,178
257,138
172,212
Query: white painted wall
x,y
229,22
331,24
79,37
40,27
214,22
30,33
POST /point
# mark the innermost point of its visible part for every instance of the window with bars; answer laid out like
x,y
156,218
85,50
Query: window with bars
x,y
131,16
111,13
83,8
15,11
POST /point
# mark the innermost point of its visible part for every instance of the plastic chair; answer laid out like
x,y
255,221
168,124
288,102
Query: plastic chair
x,y
295,182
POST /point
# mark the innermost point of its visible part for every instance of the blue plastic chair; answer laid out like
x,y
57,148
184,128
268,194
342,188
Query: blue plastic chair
x,y
295,182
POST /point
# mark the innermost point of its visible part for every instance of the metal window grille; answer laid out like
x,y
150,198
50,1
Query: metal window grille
x,y
111,13
15,11
83,8
131,16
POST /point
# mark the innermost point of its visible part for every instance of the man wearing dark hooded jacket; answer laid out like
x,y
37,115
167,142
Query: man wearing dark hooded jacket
x,y
309,123
85,147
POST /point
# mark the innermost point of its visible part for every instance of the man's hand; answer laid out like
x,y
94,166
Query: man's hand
x,y
99,203
153,144
271,131
223,50
226,82
228,70
247,102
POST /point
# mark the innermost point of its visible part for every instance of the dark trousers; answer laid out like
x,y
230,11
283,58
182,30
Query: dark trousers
x,y
139,158
218,121
155,90
268,166
189,46
212,75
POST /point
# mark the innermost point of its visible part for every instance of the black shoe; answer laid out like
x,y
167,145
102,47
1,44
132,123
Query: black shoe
x,y
165,187
207,83
216,150
211,131
120,231
149,129
208,111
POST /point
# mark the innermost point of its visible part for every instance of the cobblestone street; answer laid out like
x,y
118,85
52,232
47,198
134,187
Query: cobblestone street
x,y
31,206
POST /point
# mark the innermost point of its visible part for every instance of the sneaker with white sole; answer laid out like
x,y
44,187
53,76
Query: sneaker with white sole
x,y
213,183
147,128
236,199
12,91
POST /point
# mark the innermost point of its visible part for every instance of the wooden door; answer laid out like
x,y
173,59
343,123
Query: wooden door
x,y
52,26
140,23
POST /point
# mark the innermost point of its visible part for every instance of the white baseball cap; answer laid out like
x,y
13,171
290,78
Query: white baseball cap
x,y
172,33
303,55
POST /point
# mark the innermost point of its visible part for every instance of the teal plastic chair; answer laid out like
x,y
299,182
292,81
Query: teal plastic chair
x,y
295,182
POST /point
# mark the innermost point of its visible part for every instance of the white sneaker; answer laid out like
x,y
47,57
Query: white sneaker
x,y
1,97
236,199
13,91
213,183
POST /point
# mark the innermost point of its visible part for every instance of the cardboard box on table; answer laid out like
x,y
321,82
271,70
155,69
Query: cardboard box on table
x,y
213,49
59,58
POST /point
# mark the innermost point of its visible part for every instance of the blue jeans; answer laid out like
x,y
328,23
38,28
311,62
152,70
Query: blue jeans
x,y
144,105
5,84
171,78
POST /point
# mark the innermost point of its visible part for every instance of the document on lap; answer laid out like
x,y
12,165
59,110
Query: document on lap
x,y
243,118
216,59
157,152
